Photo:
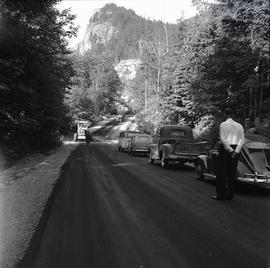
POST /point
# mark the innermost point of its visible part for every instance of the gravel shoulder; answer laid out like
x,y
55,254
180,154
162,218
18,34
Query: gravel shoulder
x,y
24,190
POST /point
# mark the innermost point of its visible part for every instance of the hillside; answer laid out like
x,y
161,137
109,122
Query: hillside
x,y
117,31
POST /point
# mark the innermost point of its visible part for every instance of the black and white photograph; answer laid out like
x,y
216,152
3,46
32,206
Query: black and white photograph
x,y
134,134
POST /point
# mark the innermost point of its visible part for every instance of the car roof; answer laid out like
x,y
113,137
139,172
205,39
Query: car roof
x,y
176,127
142,135
129,131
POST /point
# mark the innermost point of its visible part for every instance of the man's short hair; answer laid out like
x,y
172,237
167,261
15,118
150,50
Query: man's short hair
x,y
228,112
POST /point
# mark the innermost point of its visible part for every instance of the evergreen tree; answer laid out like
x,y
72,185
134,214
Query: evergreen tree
x,y
35,72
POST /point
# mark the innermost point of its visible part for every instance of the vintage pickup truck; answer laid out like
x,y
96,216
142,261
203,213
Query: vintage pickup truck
x,y
175,144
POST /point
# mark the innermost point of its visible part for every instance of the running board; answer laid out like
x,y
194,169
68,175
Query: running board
x,y
210,175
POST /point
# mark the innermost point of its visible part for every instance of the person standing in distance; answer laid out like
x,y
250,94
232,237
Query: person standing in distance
x,y
232,139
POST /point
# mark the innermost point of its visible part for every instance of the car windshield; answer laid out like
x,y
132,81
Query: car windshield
x,y
259,155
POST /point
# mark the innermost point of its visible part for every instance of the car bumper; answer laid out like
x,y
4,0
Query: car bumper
x,y
256,180
140,150
187,156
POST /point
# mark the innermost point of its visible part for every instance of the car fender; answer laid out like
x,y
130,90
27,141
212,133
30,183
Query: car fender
x,y
153,148
202,158
166,149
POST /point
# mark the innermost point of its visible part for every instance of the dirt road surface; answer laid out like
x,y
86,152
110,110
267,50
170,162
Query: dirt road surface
x,y
110,210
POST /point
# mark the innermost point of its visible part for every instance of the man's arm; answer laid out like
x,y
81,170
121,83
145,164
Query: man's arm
x,y
223,140
241,141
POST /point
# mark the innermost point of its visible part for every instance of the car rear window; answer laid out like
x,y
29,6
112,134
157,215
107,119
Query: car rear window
x,y
83,125
129,134
143,139
177,133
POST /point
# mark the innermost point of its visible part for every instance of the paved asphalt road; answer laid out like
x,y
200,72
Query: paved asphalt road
x,y
110,210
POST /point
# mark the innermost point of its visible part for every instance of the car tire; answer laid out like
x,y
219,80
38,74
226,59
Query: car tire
x,y
200,169
164,162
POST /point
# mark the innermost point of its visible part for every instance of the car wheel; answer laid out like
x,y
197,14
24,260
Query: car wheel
x,y
164,162
200,168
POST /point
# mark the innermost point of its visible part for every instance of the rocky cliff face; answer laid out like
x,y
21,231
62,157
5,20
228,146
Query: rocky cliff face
x,y
115,30
97,33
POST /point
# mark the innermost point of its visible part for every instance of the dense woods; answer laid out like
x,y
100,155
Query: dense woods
x,y
189,71
35,73
220,58
96,87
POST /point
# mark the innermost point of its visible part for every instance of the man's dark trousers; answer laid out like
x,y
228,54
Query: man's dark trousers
x,y
226,175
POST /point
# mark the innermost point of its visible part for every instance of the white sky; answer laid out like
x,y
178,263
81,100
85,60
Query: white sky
x,y
165,10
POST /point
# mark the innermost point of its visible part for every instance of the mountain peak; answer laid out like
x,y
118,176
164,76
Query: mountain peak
x,y
116,30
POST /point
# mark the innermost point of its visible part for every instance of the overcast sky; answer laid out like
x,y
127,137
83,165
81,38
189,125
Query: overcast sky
x,y
165,10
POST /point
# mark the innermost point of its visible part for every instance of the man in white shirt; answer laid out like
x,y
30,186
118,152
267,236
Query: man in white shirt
x,y
232,139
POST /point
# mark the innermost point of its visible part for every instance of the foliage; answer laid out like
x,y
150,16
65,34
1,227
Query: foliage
x,y
34,72
223,60
220,58
96,87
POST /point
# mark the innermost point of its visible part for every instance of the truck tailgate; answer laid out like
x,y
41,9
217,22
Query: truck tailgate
x,y
189,148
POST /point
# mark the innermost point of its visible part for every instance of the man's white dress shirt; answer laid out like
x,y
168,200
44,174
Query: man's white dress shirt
x,y
231,133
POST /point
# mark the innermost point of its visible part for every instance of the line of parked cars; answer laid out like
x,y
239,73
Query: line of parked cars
x,y
172,145
176,145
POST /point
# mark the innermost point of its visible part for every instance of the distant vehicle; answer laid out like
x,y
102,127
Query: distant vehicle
x,y
253,165
175,144
82,126
124,139
139,143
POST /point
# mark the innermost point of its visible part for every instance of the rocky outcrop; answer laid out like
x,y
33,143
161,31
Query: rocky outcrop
x,y
96,33
126,69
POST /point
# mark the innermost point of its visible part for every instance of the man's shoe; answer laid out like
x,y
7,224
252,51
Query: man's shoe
x,y
216,197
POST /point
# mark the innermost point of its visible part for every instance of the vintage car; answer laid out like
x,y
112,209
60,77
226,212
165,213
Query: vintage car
x,y
139,143
82,126
124,139
175,144
253,165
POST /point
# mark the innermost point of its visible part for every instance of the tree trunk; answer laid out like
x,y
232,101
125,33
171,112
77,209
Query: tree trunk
x,y
261,100
250,104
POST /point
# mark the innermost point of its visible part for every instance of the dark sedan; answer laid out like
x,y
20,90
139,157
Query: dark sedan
x,y
253,166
